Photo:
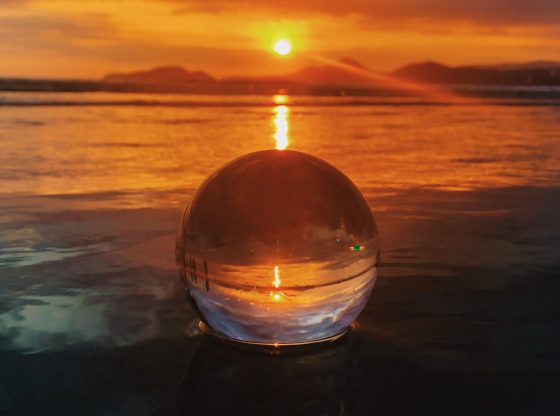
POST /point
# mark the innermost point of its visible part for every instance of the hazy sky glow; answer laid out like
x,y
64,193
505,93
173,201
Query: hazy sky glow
x,y
86,39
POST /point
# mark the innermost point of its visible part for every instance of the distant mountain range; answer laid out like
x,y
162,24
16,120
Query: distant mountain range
x,y
523,65
159,75
538,73
350,72
346,71
344,76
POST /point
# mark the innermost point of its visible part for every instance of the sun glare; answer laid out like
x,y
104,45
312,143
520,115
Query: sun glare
x,y
282,47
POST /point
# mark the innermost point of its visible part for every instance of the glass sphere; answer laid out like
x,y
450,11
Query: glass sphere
x,y
278,247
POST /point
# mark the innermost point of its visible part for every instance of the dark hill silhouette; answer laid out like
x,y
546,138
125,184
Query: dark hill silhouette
x,y
522,65
315,75
325,79
332,74
535,73
512,74
160,75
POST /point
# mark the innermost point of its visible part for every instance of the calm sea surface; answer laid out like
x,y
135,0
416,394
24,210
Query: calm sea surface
x,y
464,316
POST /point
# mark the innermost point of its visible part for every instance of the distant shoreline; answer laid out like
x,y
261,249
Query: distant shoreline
x,y
342,77
342,95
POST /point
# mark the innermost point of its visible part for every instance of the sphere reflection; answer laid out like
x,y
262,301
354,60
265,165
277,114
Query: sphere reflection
x,y
278,247
229,381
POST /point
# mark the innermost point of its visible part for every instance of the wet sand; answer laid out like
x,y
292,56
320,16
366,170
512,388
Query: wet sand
x,y
469,323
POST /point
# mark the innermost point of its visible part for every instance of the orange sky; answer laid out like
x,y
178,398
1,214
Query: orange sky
x,y
86,39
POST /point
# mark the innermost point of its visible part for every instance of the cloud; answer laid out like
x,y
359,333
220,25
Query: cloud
x,y
87,39
44,28
493,12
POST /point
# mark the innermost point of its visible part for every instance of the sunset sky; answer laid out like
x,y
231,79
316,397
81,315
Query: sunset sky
x,y
86,39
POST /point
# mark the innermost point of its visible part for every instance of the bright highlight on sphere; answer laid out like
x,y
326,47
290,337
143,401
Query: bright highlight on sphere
x,y
278,247
282,47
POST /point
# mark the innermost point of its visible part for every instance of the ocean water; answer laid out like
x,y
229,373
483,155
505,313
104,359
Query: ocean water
x,y
465,309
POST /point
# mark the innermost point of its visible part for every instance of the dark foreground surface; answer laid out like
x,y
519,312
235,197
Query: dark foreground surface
x,y
464,319
470,326
358,376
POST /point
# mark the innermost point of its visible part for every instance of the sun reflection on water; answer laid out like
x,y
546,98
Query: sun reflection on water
x,y
276,283
281,122
280,99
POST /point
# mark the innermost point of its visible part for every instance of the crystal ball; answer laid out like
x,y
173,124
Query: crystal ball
x,y
278,247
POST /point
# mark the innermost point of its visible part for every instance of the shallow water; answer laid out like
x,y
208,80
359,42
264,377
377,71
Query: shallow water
x,y
466,199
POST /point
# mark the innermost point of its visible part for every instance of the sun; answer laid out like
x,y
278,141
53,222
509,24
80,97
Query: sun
x,y
282,47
